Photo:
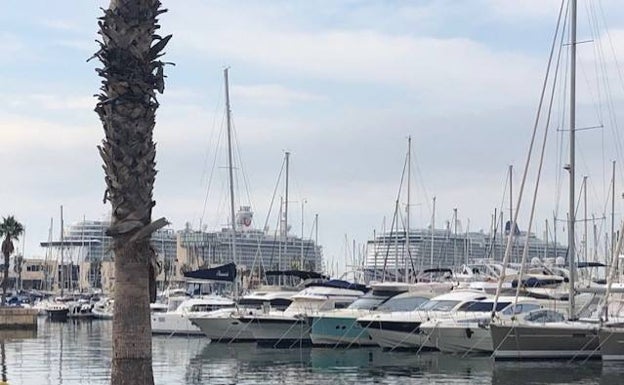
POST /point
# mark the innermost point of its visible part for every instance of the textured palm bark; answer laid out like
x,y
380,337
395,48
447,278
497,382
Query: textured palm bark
x,y
132,333
127,107
5,278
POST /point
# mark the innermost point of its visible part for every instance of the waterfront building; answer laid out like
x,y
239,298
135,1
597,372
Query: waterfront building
x,y
85,246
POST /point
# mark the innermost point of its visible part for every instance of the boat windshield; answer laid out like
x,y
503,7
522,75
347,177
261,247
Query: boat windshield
x,y
365,303
520,308
257,303
544,316
402,304
446,305
205,307
483,306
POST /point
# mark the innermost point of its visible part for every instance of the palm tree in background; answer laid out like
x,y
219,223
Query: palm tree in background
x,y
132,73
11,230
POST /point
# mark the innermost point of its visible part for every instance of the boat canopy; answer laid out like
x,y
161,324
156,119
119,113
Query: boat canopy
x,y
225,272
297,273
340,284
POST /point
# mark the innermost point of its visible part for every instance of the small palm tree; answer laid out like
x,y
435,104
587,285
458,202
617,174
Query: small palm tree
x,y
11,230
132,74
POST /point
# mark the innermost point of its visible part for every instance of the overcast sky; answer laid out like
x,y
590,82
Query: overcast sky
x,y
339,84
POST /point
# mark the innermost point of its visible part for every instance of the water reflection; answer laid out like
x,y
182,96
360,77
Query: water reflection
x,y
376,363
80,352
8,336
548,372
3,358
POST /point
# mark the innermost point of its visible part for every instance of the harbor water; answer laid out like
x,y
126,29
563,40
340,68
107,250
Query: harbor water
x,y
79,353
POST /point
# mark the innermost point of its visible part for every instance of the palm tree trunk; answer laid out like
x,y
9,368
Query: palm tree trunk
x,y
132,334
5,279
129,50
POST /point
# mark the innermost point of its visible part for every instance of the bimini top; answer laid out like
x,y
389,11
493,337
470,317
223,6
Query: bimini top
x,y
340,284
297,273
225,272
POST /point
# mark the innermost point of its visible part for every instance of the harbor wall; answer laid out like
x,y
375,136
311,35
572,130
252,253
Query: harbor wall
x,y
18,318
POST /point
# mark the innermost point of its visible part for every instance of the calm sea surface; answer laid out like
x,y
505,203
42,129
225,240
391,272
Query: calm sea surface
x,y
79,353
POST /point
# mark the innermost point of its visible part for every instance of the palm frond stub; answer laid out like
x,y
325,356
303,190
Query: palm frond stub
x,y
132,74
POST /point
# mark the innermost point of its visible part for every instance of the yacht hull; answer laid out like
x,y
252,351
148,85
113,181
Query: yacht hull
x,y
544,341
612,343
279,332
224,328
460,338
339,331
173,324
398,335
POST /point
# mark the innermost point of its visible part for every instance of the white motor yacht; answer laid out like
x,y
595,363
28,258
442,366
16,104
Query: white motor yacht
x,y
467,329
291,327
224,325
401,330
339,326
176,321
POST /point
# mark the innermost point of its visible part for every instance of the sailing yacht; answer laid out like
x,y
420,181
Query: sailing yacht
x,y
547,333
468,329
611,334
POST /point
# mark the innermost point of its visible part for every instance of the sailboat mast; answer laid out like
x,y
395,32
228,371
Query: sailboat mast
x,y
432,233
303,202
286,197
62,275
407,224
585,219
230,169
612,237
512,225
571,214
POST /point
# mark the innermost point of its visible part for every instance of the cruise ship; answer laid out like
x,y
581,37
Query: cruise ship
x,y
85,248
255,249
445,248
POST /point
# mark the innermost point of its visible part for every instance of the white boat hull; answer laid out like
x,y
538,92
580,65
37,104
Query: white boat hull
x,y
391,338
279,331
460,339
173,324
224,328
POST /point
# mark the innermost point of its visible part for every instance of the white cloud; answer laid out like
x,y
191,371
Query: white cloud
x,y
340,84
22,133
449,70
272,94
12,46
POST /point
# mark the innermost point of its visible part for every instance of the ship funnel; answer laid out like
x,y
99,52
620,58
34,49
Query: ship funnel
x,y
244,218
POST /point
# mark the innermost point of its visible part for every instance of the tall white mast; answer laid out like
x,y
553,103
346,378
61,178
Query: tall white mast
x,y
571,214
286,197
407,224
612,237
432,233
231,171
62,274
303,202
